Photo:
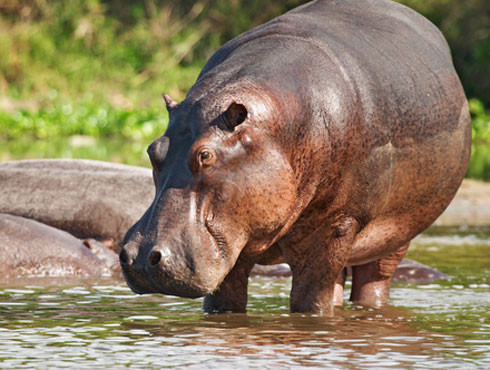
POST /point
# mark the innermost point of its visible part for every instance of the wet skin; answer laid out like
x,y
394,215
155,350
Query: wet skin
x,y
89,199
30,248
406,271
328,137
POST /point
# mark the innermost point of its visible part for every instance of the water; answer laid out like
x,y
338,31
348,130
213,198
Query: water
x,y
446,324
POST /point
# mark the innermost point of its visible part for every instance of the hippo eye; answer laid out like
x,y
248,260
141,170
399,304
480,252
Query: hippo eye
x,y
206,158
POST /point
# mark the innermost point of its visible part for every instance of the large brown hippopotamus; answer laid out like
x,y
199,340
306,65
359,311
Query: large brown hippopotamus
x,y
89,199
327,137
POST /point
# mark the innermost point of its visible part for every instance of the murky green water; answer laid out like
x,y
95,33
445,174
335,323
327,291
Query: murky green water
x,y
440,325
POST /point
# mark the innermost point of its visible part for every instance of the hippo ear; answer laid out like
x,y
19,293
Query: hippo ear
x,y
157,151
234,115
171,104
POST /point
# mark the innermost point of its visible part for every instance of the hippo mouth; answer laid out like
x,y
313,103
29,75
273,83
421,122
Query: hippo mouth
x,y
219,241
170,285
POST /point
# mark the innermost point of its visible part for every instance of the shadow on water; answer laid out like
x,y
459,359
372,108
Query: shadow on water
x,y
444,324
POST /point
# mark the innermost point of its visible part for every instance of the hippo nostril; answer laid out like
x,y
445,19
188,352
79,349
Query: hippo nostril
x,y
123,257
155,257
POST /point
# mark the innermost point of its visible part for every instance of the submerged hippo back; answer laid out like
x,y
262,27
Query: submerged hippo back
x,y
30,248
89,199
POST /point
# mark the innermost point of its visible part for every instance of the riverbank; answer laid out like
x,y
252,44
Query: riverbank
x,y
470,206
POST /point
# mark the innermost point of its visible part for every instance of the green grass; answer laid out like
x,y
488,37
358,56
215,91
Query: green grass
x,y
90,119
479,167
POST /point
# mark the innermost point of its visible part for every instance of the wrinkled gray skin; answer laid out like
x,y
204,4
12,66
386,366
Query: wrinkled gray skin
x,y
328,137
89,199
29,248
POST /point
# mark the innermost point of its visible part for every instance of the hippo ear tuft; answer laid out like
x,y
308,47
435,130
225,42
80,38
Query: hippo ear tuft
x,y
234,115
171,104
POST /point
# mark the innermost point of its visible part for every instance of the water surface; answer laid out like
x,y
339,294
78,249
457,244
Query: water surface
x,y
446,324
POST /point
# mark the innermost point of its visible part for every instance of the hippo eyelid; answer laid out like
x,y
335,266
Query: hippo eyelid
x,y
206,157
202,158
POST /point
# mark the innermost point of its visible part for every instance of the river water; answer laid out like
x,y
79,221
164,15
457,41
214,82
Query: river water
x,y
96,324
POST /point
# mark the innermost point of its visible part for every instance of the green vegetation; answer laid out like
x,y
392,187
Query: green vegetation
x,y
97,68
479,167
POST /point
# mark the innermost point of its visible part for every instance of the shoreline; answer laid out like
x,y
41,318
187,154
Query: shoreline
x,y
470,206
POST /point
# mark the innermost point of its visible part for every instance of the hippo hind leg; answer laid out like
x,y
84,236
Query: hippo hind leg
x,y
371,281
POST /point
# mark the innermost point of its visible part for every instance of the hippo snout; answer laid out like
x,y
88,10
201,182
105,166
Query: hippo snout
x,y
135,267
174,270
128,254
131,258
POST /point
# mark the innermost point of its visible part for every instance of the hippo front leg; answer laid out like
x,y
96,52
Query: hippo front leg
x,y
371,282
338,296
317,273
232,294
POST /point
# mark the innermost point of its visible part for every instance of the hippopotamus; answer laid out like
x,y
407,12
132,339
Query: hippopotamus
x,y
416,272
89,199
406,271
31,249
328,137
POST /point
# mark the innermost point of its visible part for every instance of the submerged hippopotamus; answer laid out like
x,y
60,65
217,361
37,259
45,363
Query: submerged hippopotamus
x,y
406,271
29,248
328,137
89,199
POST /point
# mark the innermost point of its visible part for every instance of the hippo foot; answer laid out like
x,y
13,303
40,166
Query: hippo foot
x,y
220,303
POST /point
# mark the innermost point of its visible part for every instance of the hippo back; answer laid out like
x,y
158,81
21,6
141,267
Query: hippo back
x,y
89,199
29,248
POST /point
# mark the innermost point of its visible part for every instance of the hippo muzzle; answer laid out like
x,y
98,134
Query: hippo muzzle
x,y
173,254
188,267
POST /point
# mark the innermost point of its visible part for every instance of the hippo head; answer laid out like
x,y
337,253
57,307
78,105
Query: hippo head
x,y
223,186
